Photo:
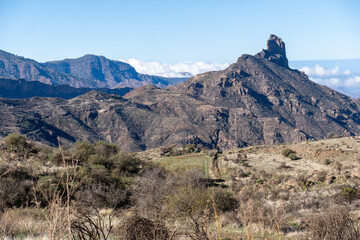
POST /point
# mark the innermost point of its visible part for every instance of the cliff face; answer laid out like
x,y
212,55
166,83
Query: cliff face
x,y
257,100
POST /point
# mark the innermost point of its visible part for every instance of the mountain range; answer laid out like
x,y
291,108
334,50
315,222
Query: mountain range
x,y
256,100
89,71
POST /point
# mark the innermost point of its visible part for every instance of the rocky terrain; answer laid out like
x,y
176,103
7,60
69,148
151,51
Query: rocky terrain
x,y
89,71
257,100
20,88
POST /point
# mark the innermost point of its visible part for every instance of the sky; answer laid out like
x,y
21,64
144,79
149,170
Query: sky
x,y
188,37
179,31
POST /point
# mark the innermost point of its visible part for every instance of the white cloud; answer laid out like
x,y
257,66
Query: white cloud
x,y
332,77
319,71
352,82
180,69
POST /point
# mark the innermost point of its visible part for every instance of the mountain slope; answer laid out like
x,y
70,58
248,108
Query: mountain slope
x,y
20,88
12,66
88,71
257,100
103,72
260,100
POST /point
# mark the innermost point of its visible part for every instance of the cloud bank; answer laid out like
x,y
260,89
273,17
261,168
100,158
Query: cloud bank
x,y
340,79
180,69
333,77
344,81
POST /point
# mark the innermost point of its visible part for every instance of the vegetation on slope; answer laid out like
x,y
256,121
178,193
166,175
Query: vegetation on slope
x,y
95,191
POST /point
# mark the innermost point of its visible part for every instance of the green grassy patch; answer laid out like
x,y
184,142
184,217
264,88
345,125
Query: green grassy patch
x,y
186,162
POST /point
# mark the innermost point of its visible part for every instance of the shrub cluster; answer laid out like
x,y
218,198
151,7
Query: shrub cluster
x,y
289,153
101,175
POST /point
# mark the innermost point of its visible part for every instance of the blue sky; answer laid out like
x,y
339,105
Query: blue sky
x,y
179,31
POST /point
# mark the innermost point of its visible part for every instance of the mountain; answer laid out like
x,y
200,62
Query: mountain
x,y
103,72
89,71
20,88
12,66
256,100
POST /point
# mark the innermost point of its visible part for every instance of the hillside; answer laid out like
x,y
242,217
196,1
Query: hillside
x,y
20,88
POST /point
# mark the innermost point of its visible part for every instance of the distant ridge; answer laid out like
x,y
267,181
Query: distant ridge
x,y
89,71
20,88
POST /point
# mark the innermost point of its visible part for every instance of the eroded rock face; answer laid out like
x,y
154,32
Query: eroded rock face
x,y
254,101
275,51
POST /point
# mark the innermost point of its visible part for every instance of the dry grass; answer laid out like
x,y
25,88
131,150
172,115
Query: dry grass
x,y
277,198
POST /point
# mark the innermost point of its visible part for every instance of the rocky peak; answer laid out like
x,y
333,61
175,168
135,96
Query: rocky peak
x,y
275,45
275,51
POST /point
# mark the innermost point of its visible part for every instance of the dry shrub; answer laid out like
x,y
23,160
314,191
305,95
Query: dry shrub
x,y
20,223
149,193
58,158
101,196
256,212
139,228
89,223
335,223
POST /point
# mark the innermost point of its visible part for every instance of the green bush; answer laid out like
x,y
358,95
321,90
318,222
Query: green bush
x,y
286,152
293,156
98,159
16,143
83,150
126,163
99,174
106,149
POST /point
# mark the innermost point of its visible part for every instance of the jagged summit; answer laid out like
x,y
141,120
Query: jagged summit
x,y
275,51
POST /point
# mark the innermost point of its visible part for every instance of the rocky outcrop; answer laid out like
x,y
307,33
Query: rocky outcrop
x,y
275,51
